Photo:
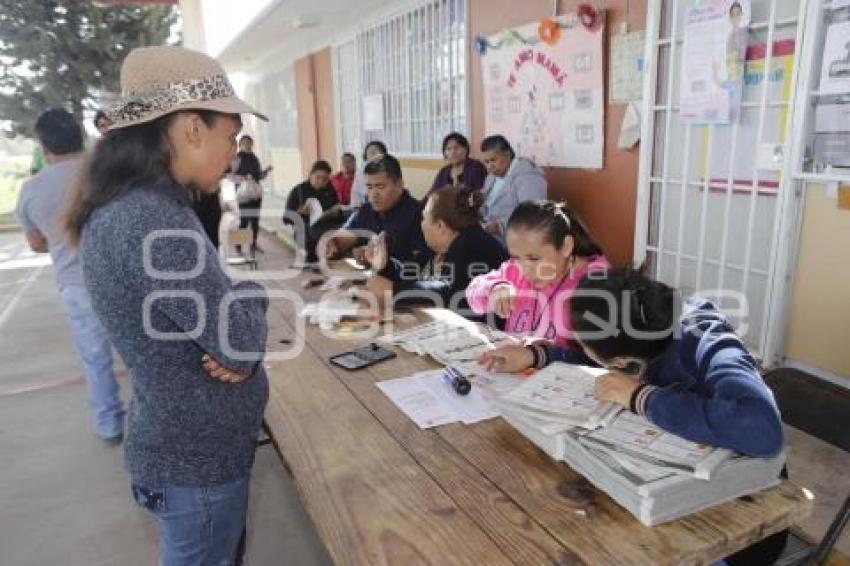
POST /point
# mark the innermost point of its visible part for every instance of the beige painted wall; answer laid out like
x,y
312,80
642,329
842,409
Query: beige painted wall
x,y
820,304
287,169
305,99
419,174
324,93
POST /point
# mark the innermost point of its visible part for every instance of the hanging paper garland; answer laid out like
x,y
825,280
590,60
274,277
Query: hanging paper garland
x,y
549,31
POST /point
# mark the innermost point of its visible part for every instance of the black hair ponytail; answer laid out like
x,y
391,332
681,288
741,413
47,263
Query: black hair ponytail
x,y
557,222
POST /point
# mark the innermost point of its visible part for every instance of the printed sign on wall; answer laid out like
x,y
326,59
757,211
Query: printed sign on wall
x,y
712,77
543,89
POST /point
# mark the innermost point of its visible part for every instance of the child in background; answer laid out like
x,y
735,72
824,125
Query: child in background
x,y
550,252
679,364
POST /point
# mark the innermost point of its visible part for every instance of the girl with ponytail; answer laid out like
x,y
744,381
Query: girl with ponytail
x,y
451,225
550,252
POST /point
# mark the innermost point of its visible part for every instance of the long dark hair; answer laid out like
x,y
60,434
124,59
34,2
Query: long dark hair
x,y
124,158
641,325
556,222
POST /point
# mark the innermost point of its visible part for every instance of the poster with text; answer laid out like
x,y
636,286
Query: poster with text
x,y
543,89
742,163
712,72
835,69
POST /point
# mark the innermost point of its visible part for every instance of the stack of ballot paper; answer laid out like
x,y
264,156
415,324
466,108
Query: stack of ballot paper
x,y
655,475
459,345
559,397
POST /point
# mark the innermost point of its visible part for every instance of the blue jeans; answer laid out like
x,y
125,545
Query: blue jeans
x,y
95,351
198,526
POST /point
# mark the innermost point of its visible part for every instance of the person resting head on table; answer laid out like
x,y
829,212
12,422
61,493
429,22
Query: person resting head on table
x,y
451,224
304,196
391,211
678,363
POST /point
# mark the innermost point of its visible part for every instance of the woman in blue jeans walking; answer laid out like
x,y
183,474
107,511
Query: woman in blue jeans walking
x,y
192,338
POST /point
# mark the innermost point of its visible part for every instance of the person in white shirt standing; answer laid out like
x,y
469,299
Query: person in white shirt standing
x,y
38,212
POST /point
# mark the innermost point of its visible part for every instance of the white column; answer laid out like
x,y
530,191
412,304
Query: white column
x,y
191,14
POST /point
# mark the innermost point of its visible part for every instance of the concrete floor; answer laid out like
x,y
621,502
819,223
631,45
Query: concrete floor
x,y
64,494
64,497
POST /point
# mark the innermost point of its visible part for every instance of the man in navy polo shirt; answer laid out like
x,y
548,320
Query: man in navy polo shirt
x,y
390,210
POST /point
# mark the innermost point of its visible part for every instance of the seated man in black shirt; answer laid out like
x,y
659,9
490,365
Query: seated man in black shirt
x,y
315,222
390,211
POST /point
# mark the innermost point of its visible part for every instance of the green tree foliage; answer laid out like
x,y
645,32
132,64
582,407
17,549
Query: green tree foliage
x,y
68,53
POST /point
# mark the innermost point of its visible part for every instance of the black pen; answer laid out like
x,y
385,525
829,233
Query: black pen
x,y
457,380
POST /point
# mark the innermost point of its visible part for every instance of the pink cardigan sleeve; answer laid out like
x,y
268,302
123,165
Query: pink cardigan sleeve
x,y
478,291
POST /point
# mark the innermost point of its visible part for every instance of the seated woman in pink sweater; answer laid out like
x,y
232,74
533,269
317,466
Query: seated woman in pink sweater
x,y
550,252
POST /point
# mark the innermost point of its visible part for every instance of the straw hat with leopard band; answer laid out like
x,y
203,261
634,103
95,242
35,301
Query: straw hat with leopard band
x,y
156,81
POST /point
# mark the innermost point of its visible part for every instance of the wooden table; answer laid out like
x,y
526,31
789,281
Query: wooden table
x,y
382,491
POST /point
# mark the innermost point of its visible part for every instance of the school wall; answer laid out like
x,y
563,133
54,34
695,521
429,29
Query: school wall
x,y
305,101
820,303
324,99
604,199
419,174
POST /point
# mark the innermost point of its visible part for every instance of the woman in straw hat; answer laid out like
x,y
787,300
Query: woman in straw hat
x,y
192,338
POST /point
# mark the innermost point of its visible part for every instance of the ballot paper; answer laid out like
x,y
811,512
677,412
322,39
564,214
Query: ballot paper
x,y
449,343
634,436
655,496
314,210
428,400
460,345
559,397
652,473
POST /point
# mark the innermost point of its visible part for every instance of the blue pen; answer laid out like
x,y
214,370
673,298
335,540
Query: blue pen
x,y
457,380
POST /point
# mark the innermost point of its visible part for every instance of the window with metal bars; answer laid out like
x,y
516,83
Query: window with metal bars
x,y
416,63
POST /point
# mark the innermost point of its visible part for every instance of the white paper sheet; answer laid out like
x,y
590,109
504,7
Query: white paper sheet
x,y
428,400
626,80
562,390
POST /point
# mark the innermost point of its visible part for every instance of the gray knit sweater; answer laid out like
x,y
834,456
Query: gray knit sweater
x,y
184,428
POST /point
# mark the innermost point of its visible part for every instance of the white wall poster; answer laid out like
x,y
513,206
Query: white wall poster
x,y
543,89
715,44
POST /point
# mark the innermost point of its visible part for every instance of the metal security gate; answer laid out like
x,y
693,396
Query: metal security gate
x,y
717,204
